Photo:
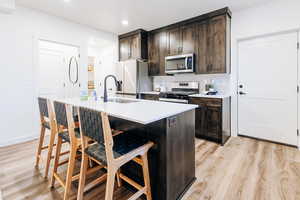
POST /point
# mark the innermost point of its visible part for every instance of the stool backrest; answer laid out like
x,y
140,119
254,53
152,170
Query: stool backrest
x,y
43,107
64,117
95,125
60,114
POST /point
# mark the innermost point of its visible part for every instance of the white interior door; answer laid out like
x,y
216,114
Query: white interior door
x,y
54,62
268,79
50,76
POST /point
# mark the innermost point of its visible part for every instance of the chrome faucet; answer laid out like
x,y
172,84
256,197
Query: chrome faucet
x,y
118,85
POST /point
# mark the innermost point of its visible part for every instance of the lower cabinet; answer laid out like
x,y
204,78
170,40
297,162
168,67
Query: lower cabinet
x,y
149,97
212,119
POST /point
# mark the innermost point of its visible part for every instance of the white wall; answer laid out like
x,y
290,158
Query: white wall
x,y
277,16
7,6
19,33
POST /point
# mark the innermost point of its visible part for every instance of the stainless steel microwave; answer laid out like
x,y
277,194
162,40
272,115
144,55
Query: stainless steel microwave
x,y
179,64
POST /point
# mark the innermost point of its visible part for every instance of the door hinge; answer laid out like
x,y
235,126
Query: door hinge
x,y
298,45
297,88
297,132
78,55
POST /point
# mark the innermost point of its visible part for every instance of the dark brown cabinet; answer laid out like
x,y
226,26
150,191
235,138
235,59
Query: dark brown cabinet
x,y
174,41
124,49
217,45
133,45
189,39
212,119
202,57
158,50
206,36
182,39
213,46
149,97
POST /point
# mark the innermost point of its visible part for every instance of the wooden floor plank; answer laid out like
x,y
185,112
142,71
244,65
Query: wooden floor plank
x,y
243,169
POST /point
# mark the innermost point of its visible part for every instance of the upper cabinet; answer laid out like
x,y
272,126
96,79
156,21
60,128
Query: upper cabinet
x,y
182,39
206,36
124,48
213,45
133,45
157,51
174,41
189,39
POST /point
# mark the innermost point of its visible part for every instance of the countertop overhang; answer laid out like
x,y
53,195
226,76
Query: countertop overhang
x,y
140,111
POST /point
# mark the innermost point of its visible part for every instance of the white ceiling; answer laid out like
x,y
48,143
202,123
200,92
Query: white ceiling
x,y
147,14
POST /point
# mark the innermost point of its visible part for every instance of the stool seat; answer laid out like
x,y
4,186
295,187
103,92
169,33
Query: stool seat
x,y
65,135
123,144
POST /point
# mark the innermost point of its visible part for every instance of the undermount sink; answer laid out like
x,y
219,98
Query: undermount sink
x,y
121,100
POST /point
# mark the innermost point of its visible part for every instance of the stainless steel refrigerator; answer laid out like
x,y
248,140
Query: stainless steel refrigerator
x,y
134,77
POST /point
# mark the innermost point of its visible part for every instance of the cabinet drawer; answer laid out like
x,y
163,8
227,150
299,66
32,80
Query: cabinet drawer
x,y
206,101
150,97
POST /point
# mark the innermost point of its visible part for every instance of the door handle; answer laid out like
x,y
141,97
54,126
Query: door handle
x,y
242,93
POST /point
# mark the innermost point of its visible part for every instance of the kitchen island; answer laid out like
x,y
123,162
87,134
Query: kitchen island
x,y
170,126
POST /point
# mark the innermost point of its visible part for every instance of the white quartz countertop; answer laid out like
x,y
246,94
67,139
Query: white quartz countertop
x,y
217,96
140,111
150,92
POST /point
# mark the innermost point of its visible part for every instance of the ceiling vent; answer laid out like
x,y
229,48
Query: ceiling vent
x,y
7,6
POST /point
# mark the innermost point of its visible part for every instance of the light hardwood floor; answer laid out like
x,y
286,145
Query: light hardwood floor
x,y
244,169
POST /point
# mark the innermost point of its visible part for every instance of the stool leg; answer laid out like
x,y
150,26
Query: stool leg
x,y
41,142
146,176
110,184
70,170
56,160
119,179
83,170
50,148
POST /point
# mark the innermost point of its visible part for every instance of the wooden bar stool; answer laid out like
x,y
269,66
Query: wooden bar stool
x,y
47,122
95,125
69,132
66,132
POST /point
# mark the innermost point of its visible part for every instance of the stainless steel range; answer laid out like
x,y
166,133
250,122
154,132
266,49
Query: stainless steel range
x,y
180,92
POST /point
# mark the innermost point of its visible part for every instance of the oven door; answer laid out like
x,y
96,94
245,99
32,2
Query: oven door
x,y
174,100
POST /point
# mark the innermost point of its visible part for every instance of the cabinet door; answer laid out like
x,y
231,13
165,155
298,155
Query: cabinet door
x,y
189,39
213,122
153,54
217,45
163,51
202,61
175,41
124,49
200,120
135,47
199,116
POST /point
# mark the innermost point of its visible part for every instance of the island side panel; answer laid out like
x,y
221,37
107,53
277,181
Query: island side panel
x,y
157,157
180,154
172,158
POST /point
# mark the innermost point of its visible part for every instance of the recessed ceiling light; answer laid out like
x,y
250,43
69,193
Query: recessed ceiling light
x,y
67,1
124,22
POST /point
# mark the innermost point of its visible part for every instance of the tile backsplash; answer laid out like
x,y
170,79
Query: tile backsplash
x,y
221,82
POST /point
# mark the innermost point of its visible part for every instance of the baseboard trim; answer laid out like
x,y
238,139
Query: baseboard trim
x,y
270,141
18,140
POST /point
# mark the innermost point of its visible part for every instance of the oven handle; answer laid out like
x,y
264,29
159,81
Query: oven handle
x,y
174,100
